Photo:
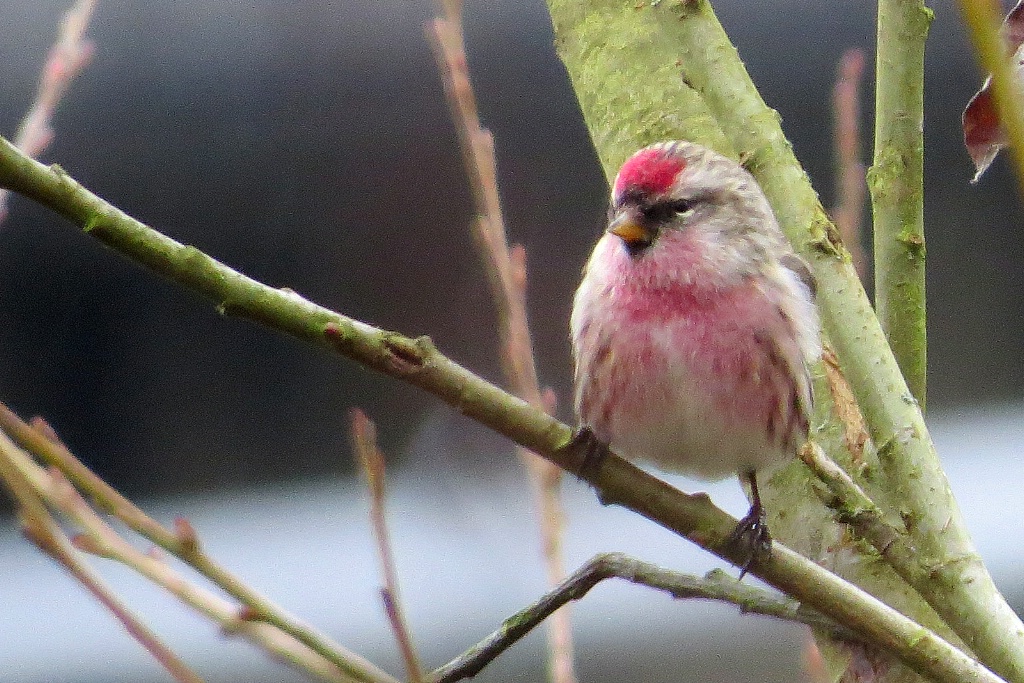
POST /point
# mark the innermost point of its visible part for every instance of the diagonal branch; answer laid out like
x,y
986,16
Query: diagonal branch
x,y
100,539
716,585
417,362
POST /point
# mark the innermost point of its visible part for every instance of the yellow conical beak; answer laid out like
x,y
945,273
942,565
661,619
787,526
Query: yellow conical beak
x,y
627,226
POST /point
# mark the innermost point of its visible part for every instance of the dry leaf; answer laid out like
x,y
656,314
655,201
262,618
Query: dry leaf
x,y
983,136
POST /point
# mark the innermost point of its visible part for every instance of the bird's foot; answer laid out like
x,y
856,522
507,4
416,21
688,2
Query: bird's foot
x,y
752,537
590,452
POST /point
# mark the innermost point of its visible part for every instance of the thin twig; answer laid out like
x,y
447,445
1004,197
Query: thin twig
x,y
183,543
69,55
506,268
364,443
42,529
851,187
99,538
716,585
47,538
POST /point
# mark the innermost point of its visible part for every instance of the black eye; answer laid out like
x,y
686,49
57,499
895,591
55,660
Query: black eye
x,y
662,212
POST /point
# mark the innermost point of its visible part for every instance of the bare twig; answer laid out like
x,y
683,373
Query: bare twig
x,y
364,442
851,187
183,543
716,585
507,271
99,538
47,537
68,56
39,423
42,529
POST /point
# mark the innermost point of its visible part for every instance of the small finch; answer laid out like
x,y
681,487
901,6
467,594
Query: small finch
x,y
694,324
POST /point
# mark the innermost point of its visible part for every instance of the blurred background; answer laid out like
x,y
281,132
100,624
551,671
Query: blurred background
x,y
309,145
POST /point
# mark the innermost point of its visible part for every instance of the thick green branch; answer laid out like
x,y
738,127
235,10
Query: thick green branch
x,y
896,180
417,362
627,76
959,587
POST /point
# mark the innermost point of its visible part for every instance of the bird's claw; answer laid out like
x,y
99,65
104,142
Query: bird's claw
x,y
752,537
590,452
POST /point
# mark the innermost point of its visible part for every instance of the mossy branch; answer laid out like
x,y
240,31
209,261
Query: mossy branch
x,y
627,76
896,181
417,362
959,588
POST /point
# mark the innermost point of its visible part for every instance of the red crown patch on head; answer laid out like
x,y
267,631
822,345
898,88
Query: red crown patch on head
x,y
649,171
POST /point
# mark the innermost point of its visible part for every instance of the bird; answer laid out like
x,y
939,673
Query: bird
x,y
694,326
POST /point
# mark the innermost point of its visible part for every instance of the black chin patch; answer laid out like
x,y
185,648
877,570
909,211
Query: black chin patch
x,y
637,247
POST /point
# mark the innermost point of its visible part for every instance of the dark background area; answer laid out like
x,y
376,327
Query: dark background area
x,y
309,145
